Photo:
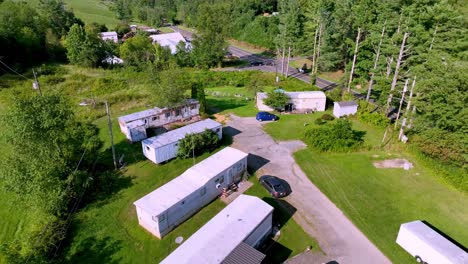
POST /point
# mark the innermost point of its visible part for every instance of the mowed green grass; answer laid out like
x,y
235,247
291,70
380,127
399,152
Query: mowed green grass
x,y
377,201
93,11
90,11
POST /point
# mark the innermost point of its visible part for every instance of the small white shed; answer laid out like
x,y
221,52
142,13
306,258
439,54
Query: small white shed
x,y
428,246
299,101
134,125
245,221
344,108
109,36
165,146
171,204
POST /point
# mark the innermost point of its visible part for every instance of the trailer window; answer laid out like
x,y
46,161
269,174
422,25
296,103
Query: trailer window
x,y
177,112
147,148
203,191
154,118
168,114
162,217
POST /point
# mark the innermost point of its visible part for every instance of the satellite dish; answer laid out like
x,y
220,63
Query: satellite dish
x,y
179,239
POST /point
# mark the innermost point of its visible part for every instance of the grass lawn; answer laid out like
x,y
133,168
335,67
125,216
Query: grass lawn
x,y
377,201
223,100
94,11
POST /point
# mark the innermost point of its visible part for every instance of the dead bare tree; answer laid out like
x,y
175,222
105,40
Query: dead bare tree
x,y
405,88
315,50
318,49
397,69
377,56
354,59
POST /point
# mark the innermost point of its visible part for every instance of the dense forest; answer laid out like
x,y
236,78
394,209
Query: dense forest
x,y
409,58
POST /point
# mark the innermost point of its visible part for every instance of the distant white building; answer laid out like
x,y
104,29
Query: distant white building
x,y
112,60
344,108
171,204
134,125
164,147
110,36
229,237
299,101
170,40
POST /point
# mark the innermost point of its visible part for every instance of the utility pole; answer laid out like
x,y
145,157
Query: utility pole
x,y
110,133
36,85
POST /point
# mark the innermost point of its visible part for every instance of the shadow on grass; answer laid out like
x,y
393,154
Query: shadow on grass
x,y
94,250
254,163
276,252
446,236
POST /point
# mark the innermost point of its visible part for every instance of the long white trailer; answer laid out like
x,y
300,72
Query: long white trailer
x,y
428,246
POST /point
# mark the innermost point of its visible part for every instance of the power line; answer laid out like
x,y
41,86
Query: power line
x,y
8,67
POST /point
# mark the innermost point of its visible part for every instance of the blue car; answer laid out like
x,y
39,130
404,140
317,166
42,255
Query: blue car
x,y
265,116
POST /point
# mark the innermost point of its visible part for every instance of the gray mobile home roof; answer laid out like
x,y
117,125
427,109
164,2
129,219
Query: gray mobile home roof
x,y
244,254
150,112
437,241
223,233
192,179
140,115
179,133
347,103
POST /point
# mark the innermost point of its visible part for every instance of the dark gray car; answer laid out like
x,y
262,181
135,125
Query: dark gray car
x,y
275,186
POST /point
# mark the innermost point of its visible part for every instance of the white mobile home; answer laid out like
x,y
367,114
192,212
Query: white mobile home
x,y
109,36
428,246
170,40
247,221
165,146
299,101
171,204
134,125
344,108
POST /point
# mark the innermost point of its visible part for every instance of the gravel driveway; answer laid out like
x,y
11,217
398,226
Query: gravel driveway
x,y
341,241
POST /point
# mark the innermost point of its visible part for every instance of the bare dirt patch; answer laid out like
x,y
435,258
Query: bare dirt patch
x,y
220,118
393,163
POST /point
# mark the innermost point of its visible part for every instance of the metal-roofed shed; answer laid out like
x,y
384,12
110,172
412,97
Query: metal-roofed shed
x,y
344,108
171,204
247,220
169,40
165,146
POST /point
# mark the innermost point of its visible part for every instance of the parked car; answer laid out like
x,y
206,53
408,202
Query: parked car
x,y
275,186
265,116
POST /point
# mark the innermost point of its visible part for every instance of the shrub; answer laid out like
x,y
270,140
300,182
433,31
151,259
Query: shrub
x,y
319,121
337,136
198,143
277,100
327,117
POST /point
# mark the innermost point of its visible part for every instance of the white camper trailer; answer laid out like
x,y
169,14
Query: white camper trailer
x,y
244,223
171,204
165,146
134,125
428,246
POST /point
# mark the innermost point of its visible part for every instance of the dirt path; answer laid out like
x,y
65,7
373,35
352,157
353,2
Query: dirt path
x,y
341,241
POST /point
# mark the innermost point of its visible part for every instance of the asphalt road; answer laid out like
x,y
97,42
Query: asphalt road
x,y
338,237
